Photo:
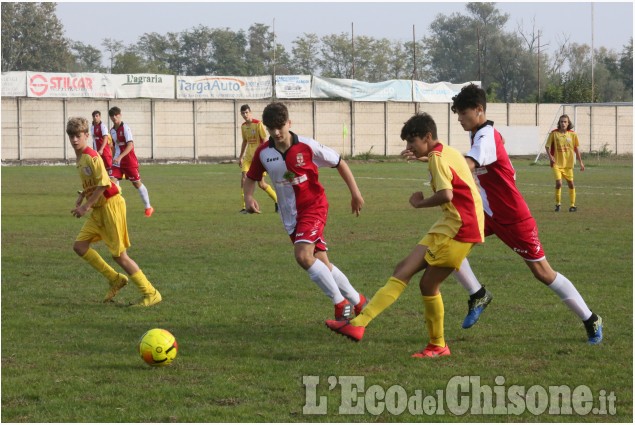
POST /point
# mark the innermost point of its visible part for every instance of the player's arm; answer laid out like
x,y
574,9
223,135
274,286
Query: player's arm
x,y
441,197
579,157
242,152
126,151
80,210
251,205
471,163
356,196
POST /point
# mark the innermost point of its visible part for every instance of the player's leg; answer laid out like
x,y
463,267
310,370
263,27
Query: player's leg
x,y
269,190
135,179
243,176
348,291
569,295
558,176
569,177
384,297
479,296
150,295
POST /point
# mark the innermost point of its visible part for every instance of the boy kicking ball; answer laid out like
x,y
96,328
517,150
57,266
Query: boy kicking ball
x,y
442,250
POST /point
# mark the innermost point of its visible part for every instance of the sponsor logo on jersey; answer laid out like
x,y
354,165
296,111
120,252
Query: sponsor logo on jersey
x,y
87,171
300,160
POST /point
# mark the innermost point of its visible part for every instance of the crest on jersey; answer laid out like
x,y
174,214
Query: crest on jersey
x,y
87,171
299,160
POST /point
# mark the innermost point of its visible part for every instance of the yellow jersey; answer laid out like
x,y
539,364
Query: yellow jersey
x,y
562,147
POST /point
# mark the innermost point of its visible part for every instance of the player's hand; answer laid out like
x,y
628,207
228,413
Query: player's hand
x,y
240,162
581,167
416,199
409,155
251,205
80,211
116,161
356,204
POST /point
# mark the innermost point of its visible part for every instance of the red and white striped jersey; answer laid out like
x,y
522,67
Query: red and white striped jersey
x,y
294,175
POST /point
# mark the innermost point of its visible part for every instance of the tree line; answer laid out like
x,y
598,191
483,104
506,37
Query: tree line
x,y
513,66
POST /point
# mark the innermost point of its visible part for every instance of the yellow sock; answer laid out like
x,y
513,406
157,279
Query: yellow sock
x,y
242,196
558,196
142,283
94,259
271,193
572,196
433,312
383,299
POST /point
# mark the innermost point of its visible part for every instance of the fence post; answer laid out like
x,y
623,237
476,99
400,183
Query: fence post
x,y
352,109
19,128
152,132
616,128
194,130
65,113
449,124
385,129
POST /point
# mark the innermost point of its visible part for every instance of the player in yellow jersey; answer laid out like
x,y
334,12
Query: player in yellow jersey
x,y
107,219
561,146
254,134
446,245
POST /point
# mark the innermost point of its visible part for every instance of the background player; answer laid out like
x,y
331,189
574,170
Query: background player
x,y
101,140
560,147
447,243
107,220
254,134
507,214
124,160
292,162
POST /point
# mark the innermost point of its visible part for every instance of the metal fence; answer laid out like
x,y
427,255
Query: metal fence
x,y
204,130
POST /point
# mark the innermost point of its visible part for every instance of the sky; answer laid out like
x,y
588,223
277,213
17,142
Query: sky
x,y
92,22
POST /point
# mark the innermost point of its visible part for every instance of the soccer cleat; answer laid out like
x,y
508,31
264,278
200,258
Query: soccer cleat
x,y
344,327
149,212
432,351
243,211
475,309
148,300
557,208
343,310
115,285
573,209
276,207
360,305
594,330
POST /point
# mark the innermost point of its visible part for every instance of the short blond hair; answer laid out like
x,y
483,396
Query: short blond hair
x,y
76,125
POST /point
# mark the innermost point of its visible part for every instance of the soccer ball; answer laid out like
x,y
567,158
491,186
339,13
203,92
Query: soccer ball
x,y
158,347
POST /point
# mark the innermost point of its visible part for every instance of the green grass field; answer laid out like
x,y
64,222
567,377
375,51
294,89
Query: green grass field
x,y
250,323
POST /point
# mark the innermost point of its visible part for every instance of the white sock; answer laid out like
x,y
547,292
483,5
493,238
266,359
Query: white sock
x,y
321,275
145,198
345,286
466,277
570,296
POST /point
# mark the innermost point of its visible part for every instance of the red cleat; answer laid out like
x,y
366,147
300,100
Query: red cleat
x,y
149,211
343,310
343,327
361,304
432,351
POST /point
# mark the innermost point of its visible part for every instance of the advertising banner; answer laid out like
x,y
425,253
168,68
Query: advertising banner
x,y
14,84
130,86
201,87
360,91
58,84
438,92
293,86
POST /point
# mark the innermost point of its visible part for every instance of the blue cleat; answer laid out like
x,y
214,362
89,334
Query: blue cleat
x,y
594,330
475,309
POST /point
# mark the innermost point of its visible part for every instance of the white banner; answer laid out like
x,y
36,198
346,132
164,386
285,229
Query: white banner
x,y
14,84
130,86
293,86
360,91
202,87
58,84
438,92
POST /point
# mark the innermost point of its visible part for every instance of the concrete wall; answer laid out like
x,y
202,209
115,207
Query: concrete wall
x,y
33,129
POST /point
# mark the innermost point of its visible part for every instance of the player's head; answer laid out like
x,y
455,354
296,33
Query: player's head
x,y
419,125
96,115
564,123
470,97
470,105
420,134
115,115
77,125
245,112
275,115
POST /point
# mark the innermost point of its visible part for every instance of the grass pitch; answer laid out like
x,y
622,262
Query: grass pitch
x,y
250,323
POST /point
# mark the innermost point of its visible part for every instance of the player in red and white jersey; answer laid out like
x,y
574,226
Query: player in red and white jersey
x,y
101,140
292,163
507,214
124,162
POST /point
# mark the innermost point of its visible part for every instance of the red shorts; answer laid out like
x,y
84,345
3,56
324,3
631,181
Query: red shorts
x,y
310,229
107,158
521,237
131,173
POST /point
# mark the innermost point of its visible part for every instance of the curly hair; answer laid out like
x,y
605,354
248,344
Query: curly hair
x,y
419,125
275,115
470,97
77,125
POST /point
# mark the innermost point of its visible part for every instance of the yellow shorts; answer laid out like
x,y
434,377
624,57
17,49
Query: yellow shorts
x,y
108,223
443,251
559,173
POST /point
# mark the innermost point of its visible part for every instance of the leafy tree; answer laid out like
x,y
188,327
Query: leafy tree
x,y
228,52
305,52
337,56
113,47
33,38
87,58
